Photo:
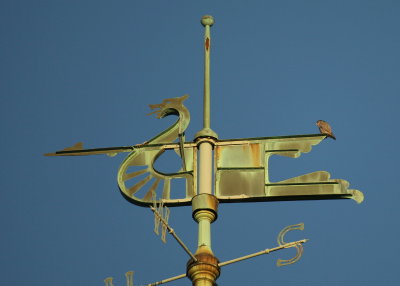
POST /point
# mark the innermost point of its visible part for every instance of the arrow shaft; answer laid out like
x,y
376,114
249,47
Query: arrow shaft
x,y
96,151
167,280
265,251
172,232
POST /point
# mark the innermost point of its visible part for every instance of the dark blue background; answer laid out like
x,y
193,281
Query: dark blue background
x,y
75,71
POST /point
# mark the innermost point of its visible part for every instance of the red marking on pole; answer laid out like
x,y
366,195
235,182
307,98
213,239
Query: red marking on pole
x,y
207,43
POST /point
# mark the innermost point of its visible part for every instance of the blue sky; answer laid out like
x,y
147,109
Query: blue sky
x,y
86,71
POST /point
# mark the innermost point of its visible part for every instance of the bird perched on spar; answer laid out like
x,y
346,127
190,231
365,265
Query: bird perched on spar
x,y
325,128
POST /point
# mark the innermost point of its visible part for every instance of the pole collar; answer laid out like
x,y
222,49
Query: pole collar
x,y
205,270
205,205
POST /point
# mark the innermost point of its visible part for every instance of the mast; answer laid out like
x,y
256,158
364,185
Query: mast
x,y
205,270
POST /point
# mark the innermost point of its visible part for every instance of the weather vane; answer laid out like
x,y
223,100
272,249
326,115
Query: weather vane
x,y
215,171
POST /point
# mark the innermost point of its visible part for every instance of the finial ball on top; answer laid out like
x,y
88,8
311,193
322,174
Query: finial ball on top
x,y
207,20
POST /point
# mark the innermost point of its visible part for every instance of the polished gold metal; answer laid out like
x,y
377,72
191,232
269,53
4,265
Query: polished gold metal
x,y
207,21
172,232
245,257
109,281
167,280
205,202
203,271
299,247
129,279
241,166
137,176
235,170
265,251
161,213
242,172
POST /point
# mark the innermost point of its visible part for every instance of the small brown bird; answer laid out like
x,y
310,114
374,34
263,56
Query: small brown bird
x,y
325,128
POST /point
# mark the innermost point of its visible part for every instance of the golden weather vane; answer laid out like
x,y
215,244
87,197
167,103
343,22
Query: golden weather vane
x,y
240,173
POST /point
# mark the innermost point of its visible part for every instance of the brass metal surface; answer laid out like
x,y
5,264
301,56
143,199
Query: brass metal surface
x,y
207,21
237,168
138,188
205,202
281,242
205,270
262,252
129,279
242,172
159,218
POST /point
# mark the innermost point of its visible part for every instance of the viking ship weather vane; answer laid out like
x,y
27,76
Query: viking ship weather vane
x,y
215,171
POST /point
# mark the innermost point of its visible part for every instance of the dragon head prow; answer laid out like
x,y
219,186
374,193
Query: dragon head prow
x,y
169,106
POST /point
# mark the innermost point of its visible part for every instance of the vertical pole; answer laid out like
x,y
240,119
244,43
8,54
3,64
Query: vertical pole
x,y
205,148
205,187
207,22
205,270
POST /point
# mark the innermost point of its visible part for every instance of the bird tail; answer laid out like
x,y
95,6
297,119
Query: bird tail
x,y
329,136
